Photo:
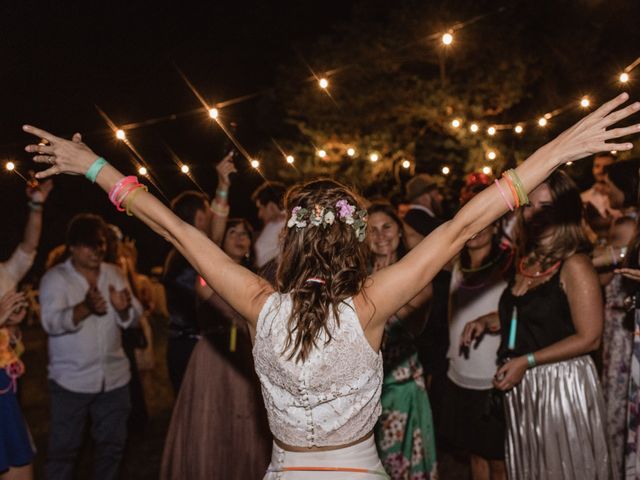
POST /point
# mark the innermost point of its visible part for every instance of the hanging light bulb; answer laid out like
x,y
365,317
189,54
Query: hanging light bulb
x,y
447,38
486,170
491,131
542,122
624,77
585,102
184,169
10,166
324,83
255,163
406,164
120,135
455,123
491,155
322,153
143,171
374,157
213,113
290,159
474,128
351,152
446,170
518,129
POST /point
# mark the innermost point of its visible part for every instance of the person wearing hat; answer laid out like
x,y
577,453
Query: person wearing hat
x,y
425,204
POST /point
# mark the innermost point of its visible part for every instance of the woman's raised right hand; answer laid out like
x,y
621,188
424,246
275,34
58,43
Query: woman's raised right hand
x,y
65,156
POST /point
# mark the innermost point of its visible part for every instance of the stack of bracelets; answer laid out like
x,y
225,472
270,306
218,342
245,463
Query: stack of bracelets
x,y
518,193
123,193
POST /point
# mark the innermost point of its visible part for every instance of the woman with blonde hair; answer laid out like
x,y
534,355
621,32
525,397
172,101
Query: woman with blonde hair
x,y
317,335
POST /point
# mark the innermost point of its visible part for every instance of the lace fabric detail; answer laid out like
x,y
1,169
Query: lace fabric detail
x,y
333,398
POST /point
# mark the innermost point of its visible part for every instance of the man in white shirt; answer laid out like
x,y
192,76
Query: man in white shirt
x,y
269,200
84,304
599,213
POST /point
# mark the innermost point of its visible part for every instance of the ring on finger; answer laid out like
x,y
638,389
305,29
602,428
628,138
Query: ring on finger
x,y
52,160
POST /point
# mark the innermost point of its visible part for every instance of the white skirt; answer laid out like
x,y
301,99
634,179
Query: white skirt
x,y
357,462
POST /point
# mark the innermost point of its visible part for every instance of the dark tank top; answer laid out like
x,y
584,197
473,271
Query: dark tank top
x,y
544,317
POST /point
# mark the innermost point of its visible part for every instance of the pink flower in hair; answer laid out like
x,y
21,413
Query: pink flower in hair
x,y
344,209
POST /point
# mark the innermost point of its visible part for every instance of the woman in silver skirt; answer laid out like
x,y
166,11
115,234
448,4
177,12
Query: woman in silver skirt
x,y
551,318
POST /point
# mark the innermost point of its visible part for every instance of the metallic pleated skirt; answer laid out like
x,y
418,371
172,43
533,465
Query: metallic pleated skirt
x,y
555,427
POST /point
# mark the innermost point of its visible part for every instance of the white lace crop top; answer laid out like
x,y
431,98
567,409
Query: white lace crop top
x,y
333,398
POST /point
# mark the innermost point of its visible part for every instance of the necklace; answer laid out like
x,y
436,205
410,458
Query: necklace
x,y
478,286
532,276
489,264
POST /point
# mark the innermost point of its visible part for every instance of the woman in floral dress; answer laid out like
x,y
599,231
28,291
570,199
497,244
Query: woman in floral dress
x,y
404,433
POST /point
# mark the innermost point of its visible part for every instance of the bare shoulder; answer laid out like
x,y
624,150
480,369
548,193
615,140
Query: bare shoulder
x,y
578,269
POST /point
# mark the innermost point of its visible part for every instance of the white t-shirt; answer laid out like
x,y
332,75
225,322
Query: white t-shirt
x,y
473,370
267,245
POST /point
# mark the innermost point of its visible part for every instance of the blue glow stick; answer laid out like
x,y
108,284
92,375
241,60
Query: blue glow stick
x,y
512,329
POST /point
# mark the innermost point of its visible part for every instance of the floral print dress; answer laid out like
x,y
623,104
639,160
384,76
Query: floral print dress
x,y
404,433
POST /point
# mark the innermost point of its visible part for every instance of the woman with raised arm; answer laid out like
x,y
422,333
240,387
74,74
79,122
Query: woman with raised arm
x,y
317,350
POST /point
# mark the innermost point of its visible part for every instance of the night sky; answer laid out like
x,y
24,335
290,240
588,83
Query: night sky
x,y
62,59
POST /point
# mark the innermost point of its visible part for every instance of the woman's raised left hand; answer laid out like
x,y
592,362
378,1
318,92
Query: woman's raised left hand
x,y
65,156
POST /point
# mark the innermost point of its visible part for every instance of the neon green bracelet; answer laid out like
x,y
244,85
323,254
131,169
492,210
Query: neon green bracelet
x,y
522,194
95,168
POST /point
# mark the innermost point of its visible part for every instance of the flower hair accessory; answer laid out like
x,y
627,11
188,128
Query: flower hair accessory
x,y
324,217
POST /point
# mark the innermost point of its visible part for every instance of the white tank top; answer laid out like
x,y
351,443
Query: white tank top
x,y
475,368
333,398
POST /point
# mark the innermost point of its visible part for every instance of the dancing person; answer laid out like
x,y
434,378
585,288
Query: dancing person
x,y
233,418
477,282
16,448
550,318
617,342
598,209
179,280
84,304
268,199
404,434
317,335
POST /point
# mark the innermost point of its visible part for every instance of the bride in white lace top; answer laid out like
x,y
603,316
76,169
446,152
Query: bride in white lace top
x,y
317,339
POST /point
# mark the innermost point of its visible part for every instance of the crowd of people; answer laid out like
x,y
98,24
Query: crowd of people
x,y
350,337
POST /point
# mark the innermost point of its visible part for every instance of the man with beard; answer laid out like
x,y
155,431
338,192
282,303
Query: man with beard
x,y
84,303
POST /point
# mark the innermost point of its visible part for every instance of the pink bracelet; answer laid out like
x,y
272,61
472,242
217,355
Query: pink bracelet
x,y
504,197
123,193
118,186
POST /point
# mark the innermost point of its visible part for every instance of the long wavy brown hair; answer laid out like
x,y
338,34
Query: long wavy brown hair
x,y
560,225
331,253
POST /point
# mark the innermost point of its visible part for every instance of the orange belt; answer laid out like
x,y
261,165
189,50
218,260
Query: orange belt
x,y
328,469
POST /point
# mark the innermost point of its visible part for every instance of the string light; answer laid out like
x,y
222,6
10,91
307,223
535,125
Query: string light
x,y
351,152
10,166
486,170
585,102
447,38
374,157
143,171
542,122
255,163
569,163
406,164
446,170
624,77
491,131
213,113
474,128
322,153
290,159
324,83
184,169
455,123
491,155
614,152
120,135
518,129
